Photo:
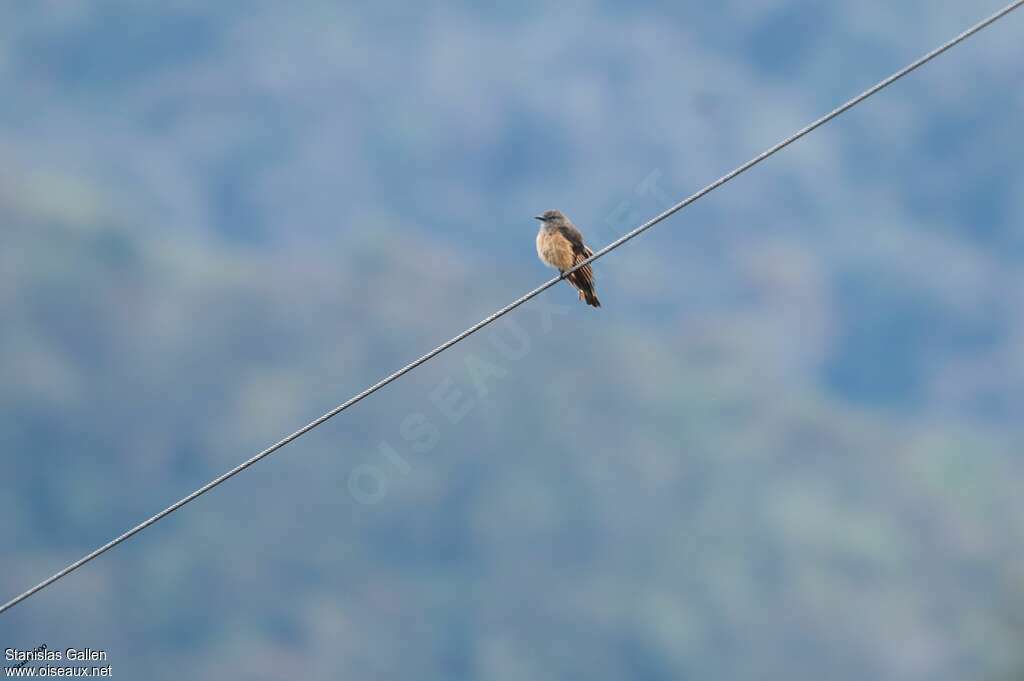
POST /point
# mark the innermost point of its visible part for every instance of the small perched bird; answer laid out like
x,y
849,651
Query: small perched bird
x,y
560,245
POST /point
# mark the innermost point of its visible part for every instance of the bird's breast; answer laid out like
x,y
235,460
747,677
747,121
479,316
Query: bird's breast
x,y
540,245
553,249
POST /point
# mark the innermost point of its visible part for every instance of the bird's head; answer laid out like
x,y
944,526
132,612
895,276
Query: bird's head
x,y
551,217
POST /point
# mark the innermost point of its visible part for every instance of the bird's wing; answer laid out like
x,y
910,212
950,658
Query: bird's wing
x,y
574,237
585,273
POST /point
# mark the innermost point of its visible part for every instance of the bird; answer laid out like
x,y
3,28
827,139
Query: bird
x,y
560,245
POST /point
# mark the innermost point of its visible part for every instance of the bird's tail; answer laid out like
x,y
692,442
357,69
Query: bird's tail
x,y
583,280
590,298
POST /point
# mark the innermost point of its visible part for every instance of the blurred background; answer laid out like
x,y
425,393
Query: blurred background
x,y
788,446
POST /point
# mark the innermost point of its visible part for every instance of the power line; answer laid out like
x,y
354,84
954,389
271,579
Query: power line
x,y
513,305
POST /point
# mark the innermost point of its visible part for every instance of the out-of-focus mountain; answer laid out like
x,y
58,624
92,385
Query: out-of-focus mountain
x,y
788,445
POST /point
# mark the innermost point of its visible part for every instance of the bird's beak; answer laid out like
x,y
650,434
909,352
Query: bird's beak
x,y
539,217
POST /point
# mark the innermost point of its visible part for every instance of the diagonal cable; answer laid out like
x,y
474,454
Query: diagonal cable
x,y
516,303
